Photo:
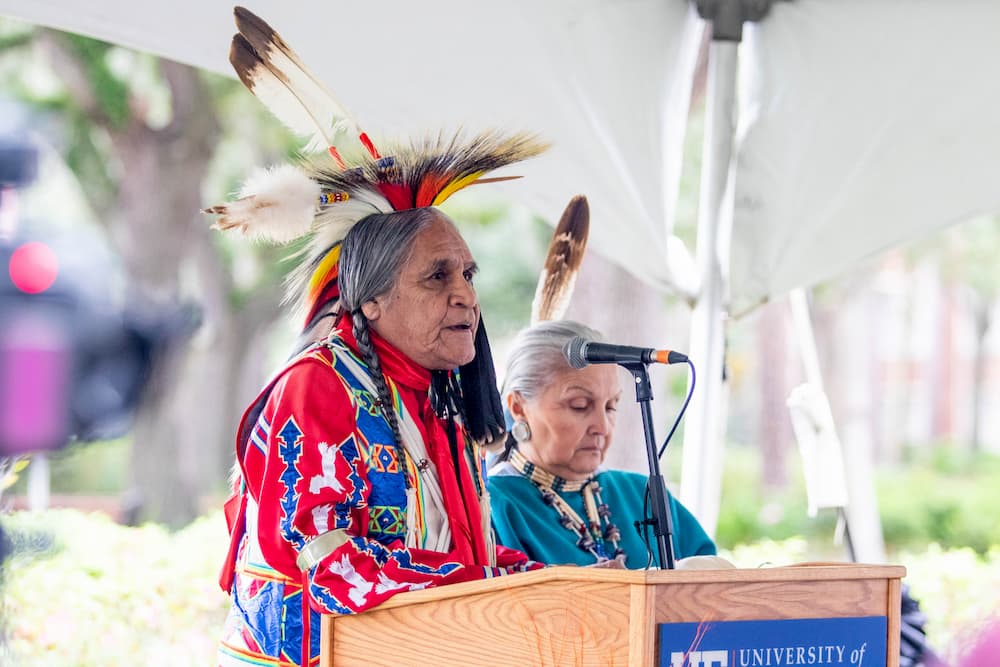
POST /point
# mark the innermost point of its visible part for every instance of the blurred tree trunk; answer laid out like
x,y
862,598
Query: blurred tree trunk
x,y
182,435
232,354
943,369
774,426
182,440
155,227
982,317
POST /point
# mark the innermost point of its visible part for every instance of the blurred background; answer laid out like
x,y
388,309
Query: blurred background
x,y
146,334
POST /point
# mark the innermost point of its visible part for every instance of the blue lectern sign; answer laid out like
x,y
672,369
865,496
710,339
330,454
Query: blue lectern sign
x,y
812,642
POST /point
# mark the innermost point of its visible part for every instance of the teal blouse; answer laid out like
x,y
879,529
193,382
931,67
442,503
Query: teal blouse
x,y
523,521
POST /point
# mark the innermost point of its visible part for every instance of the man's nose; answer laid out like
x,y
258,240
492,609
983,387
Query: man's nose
x,y
463,294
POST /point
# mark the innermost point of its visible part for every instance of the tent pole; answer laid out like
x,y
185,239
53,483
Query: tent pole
x,y
861,513
704,429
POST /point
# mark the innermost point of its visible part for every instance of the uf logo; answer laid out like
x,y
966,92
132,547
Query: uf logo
x,y
699,659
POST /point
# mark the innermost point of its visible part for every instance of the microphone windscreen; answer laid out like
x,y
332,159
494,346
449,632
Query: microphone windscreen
x,y
573,350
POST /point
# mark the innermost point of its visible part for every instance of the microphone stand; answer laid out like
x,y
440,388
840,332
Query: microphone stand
x,y
662,524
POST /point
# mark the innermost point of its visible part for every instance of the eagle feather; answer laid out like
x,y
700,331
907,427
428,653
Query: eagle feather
x,y
562,263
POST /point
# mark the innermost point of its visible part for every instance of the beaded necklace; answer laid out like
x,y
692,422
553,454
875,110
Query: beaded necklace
x,y
597,535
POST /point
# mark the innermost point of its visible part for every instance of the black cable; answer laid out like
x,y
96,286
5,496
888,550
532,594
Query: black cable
x,y
680,414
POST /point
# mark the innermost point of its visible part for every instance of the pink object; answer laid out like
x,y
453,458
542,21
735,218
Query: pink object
x,y
35,373
986,649
33,267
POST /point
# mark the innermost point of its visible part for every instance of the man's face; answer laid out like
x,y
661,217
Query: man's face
x,y
432,313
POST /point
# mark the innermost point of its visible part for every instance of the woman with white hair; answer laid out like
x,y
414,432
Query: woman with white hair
x,y
551,497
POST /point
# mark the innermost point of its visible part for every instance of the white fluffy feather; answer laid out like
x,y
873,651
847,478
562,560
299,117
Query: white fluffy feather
x,y
276,205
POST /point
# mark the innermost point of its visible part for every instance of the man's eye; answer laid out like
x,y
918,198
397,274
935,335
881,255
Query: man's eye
x,y
469,275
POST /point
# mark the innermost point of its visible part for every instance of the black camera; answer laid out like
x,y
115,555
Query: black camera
x,y
73,359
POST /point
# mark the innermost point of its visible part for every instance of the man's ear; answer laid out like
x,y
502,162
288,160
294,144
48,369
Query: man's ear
x,y
515,404
372,310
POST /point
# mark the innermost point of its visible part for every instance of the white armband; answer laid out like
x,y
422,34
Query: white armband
x,y
320,547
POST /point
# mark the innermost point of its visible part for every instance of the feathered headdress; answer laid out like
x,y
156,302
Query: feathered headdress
x,y
327,194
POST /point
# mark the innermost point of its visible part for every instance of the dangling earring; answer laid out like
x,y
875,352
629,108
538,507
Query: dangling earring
x,y
521,431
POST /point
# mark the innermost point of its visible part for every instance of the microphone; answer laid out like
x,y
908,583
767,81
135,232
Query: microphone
x,y
581,352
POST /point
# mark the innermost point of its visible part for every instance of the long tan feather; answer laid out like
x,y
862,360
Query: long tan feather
x,y
276,75
562,263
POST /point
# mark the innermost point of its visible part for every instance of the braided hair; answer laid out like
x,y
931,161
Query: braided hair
x,y
361,334
372,257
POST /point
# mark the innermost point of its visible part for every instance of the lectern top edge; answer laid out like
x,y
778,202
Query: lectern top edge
x,y
564,573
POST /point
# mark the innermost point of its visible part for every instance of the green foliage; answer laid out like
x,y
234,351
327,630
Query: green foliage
x,y
14,40
88,160
10,469
678,387
978,245
110,595
86,468
965,254
948,498
749,513
110,93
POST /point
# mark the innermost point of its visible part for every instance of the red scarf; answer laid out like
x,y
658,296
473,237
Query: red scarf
x,y
461,500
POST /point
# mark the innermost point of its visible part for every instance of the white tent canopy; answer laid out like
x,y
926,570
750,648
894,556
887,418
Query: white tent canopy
x,y
862,124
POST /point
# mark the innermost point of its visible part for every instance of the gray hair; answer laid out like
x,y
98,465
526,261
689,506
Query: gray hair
x,y
375,250
372,254
371,259
537,355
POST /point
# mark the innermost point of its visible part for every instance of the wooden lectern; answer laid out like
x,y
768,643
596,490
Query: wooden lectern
x,y
585,616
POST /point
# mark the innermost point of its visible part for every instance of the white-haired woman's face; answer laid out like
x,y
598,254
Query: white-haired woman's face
x,y
572,420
